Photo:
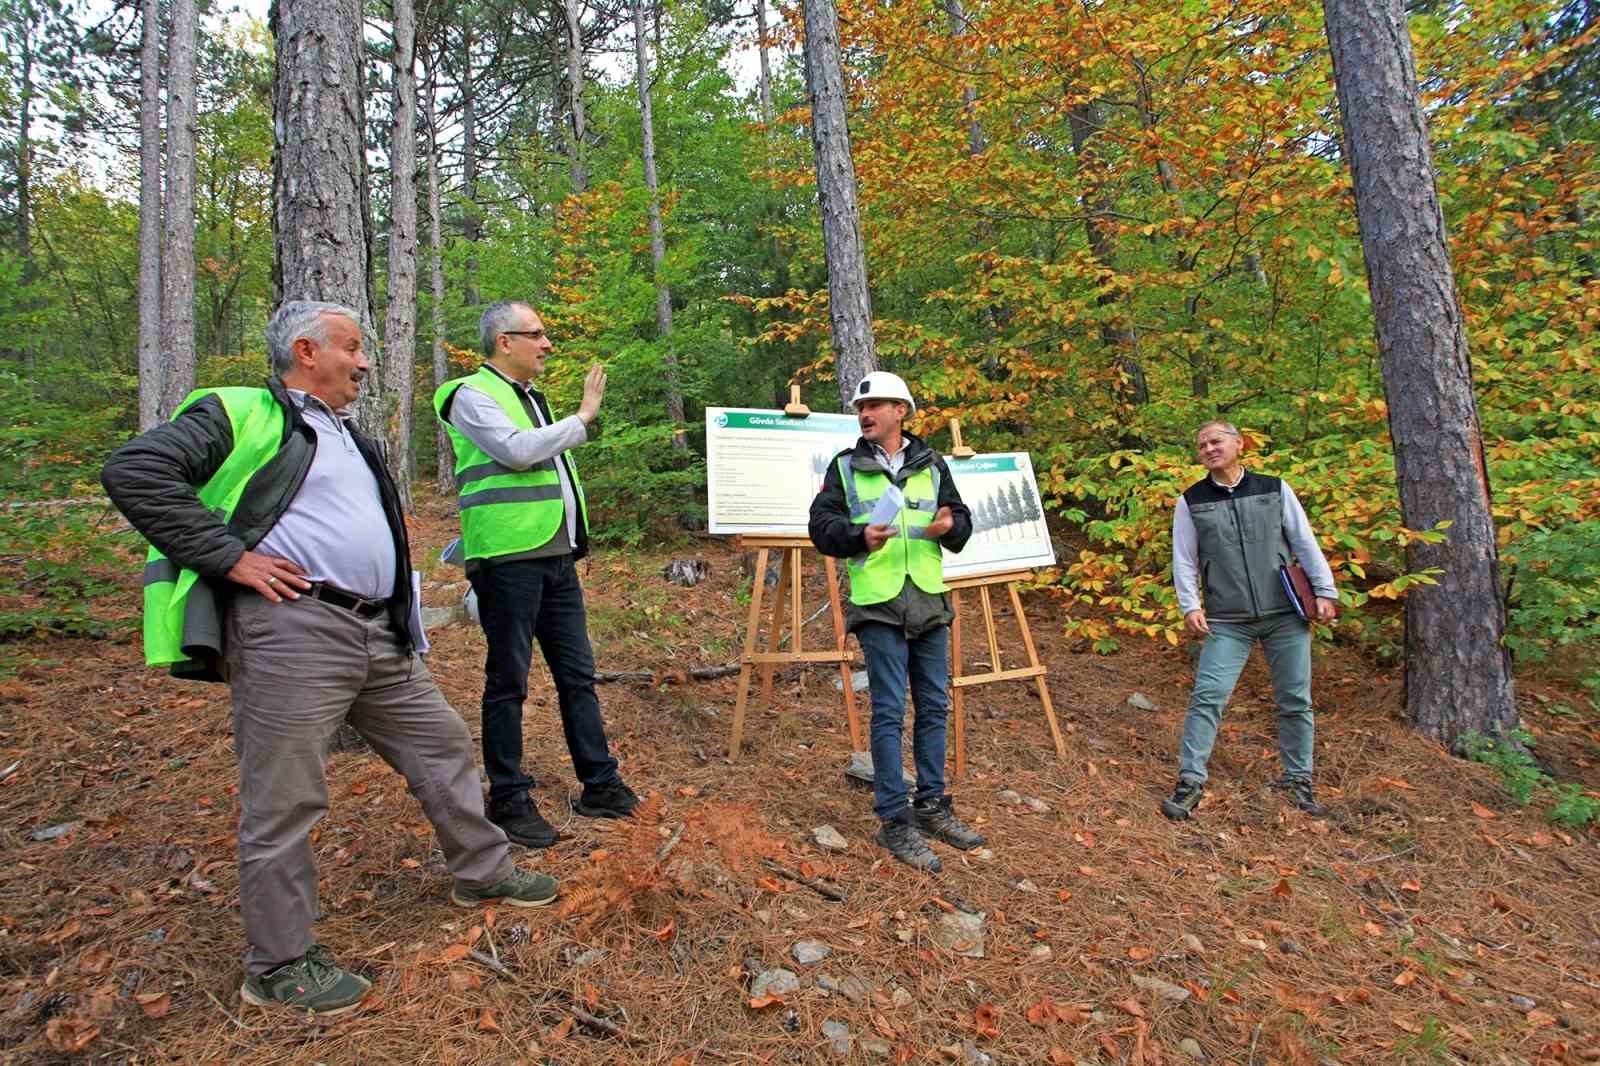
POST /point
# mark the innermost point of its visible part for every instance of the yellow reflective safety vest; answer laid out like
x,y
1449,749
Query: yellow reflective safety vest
x,y
878,576
503,511
256,418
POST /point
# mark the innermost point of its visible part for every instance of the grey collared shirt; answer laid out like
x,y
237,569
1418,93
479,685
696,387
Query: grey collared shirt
x,y
479,418
891,463
334,528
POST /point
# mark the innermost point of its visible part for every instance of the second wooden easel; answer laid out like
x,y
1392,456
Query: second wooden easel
x,y
788,593
960,682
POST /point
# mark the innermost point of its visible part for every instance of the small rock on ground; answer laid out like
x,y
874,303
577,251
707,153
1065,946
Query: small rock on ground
x,y
838,1036
776,982
1165,989
1140,702
1040,953
1192,944
1191,1047
876,1049
1010,798
810,952
1036,805
961,933
830,838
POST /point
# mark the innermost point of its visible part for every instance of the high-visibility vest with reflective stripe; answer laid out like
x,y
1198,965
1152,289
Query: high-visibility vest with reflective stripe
x,y
257,421
910,552
503,511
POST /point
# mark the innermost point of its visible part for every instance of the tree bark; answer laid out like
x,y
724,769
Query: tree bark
x,y
1458,670
471,224
400,323
152,368
1119,337
430,117
658,242
318,231
578,131
177,244
849,300
764,76
960,24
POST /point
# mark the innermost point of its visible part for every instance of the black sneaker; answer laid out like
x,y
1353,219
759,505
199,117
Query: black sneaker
x,y
523,824
606,801
1299,790
907,845
936,819
1185,798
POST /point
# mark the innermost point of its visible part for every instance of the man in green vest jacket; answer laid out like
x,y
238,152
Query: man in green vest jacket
x,y
887,506
280,561
1231,531
524,526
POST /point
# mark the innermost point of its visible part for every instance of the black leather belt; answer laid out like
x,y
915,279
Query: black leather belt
x,y
362,606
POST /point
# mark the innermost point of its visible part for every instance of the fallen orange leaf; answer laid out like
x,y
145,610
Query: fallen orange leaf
x,y
1282,889
486,1022
154,1004
764,1001
1405,978
1411,885
1133,1007
1139,954
454,953
984,1021
1483,812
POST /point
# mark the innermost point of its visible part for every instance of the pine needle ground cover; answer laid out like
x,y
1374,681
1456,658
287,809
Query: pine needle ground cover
x,y
1430,919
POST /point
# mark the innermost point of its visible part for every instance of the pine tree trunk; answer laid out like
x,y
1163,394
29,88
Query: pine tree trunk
x,y
318,228
1116,333
849,300
578,131
1458,670
658,242
764,76
152,367
471,223
177,244
446,459
400,324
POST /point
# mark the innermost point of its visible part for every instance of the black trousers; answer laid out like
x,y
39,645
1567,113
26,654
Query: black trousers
x,y
518,601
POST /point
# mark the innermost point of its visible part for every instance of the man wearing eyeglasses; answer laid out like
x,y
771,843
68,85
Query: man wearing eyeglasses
x,y
524,526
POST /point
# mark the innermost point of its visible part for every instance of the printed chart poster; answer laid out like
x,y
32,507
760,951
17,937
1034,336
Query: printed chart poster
x,y
763,468
1008,529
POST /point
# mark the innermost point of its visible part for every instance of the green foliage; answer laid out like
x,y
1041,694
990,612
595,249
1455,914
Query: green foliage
x,y
1554,600
57,560
1522,778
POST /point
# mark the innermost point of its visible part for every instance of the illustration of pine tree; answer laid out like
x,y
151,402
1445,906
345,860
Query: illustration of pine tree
x,y
1031,509
1019,513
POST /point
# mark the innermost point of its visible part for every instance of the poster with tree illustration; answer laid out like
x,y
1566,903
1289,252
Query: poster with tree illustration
x,y
1008,527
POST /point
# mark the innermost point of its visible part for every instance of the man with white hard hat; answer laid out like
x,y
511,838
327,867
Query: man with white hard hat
x,y
887,506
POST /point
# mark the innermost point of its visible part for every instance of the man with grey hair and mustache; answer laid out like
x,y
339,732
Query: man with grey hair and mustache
x,y
1231,531
279,563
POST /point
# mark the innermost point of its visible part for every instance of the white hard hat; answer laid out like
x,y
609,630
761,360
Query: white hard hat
x,y
882,385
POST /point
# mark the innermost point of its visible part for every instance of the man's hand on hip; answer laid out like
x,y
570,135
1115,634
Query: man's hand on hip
x,y
1196,623
594,390
276,579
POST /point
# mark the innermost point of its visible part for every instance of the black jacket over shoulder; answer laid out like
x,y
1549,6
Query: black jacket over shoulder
x,y
830,527
154,481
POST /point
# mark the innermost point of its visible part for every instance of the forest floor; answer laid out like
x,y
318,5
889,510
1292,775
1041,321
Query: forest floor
x,y
1427,919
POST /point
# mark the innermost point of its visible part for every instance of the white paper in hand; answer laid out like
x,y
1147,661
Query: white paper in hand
x,y
887,509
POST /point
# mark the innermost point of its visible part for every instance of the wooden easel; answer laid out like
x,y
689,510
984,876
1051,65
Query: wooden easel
x,y
788,595
959,682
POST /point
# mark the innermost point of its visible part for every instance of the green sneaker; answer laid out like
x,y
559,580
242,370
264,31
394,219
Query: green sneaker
x,y
523,888
312,983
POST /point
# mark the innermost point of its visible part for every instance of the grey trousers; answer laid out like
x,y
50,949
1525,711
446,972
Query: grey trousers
x,y
1286,642
298,669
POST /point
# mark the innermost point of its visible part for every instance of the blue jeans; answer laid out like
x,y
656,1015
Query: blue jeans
x,y
518,601
892,663
1286,642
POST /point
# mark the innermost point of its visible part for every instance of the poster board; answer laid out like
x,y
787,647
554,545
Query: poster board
x,y
763,469
1008,527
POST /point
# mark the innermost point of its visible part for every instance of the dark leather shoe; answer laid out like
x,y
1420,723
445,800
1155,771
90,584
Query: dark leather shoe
x,y
525,825
1300,792
606,801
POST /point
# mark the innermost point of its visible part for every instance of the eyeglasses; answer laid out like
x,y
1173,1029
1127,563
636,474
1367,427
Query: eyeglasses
x,y
522,333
